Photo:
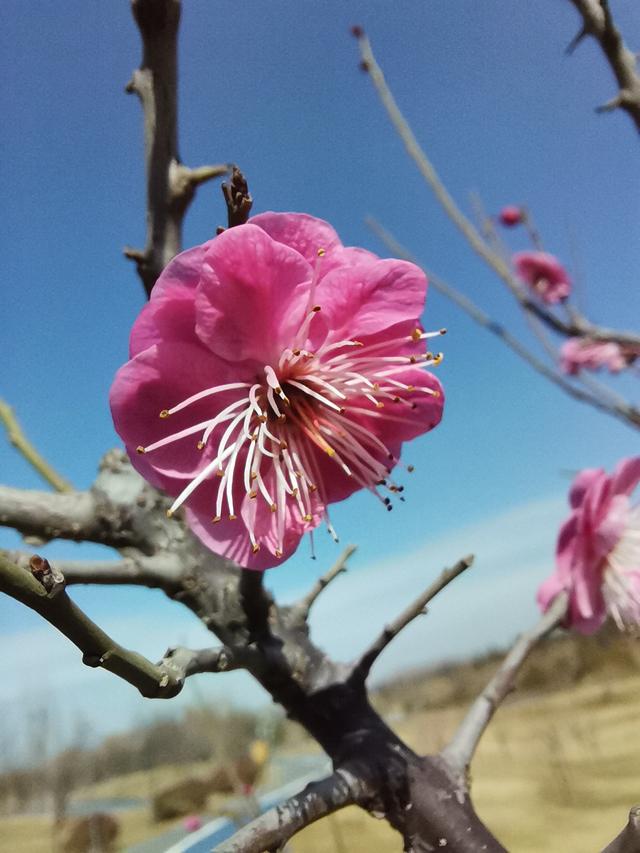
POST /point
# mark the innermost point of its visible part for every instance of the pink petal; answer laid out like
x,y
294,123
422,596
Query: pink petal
x,y
169,317
299,231
583,481
368,298
626,476
159,378
252,295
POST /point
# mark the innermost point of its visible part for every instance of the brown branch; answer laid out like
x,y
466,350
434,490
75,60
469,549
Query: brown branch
x,y
363,666
597,22
460,751
22,444
274,828
47,597
579,326
628,841
616,407
170,185
302,608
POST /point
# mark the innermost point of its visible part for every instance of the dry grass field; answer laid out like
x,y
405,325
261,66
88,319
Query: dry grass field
x,y
556,772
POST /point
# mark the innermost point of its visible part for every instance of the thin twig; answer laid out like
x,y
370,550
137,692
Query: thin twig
x,y
597,22
363,666
580,326
301,608
463,745
161,681
22,444
274,828
620,409
159,571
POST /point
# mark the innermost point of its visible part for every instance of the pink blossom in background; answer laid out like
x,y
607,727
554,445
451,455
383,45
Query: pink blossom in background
x,y
544,274
598,550
583,354
273,372
192,823
511,215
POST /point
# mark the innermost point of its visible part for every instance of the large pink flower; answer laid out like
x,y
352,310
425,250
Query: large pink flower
x,y
544,274
598,551
273,372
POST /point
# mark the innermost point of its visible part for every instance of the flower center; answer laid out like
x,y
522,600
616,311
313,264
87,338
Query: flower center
x,y
270,439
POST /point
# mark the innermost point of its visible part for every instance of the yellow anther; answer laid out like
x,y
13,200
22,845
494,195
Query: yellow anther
x,y
416,335
216,519
219,473
410,388
295,493
357,343
307,517
321,252
169,513
316,308
232,517
164,413
278,552
313,487
379,404
296,352
283,445
273,507
330,451
412,359
140,449
255,547
200,445
253,476
438,358
281,419
252,495
262,419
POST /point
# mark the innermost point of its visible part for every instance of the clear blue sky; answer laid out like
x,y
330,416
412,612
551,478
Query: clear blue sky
x,y
276,88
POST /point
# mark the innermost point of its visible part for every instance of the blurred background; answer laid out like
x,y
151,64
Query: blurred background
x,y
276,88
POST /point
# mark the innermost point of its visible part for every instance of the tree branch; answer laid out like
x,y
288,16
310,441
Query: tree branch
x,y
237,198
301,609
617,408
363,666
597,22
274,828
47,597
579,325
628,841
160,571
170,185
22,444
73,515
460,751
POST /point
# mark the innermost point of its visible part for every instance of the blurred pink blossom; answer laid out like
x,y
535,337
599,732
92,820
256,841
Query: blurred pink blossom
x,y
511,216
544,274
273,372
598,551
584,354
192,823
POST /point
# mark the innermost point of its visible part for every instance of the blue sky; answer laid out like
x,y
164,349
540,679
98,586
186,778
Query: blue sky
x,y
276,88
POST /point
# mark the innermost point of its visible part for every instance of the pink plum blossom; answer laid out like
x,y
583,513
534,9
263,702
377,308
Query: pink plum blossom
x,y
192,823
598,551
544,274
583,354
273,372
511,215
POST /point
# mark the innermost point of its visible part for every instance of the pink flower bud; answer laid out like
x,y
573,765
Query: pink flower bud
x,y
511,216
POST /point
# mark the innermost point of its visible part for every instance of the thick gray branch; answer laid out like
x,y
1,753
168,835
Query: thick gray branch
x,y
597,22
417,608
629,839
274,828
459,752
